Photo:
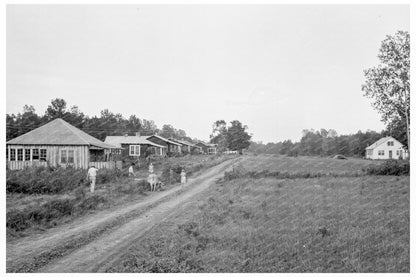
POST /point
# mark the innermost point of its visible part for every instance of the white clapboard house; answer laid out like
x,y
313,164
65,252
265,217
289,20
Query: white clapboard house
x,y
386,148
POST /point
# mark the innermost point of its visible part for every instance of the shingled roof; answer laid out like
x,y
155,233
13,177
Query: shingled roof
x,y
58,132
119,140
207,144
164,139
381,141
184,142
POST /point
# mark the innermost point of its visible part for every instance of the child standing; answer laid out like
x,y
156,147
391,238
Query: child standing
x,y
183,177
131,170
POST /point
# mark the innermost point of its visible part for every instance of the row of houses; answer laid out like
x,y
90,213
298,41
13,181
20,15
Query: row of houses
x,y
58,143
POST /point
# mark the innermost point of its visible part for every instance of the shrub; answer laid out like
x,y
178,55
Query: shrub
x,y
108,175
19,220
47,180
91,203
16,220
390,167
44,180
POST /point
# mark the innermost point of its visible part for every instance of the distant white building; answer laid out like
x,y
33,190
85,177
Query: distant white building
x,y
386,148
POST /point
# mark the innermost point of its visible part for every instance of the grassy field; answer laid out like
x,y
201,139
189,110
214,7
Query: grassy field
x,y
307,164
34,212
347,223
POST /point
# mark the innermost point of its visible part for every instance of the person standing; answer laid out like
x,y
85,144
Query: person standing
x,y
171,176
131,171
92,176
183,177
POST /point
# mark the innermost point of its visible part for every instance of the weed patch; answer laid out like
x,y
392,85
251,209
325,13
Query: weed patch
x,y
390,167
46,180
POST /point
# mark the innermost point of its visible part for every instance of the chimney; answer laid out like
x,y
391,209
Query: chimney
x,y
138,134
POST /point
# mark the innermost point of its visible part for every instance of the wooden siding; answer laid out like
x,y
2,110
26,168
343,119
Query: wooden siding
x,y
100,165
18,165
125,153
171,148
53,155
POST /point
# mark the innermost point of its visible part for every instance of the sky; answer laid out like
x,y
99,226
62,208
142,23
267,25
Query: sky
x,y
278,69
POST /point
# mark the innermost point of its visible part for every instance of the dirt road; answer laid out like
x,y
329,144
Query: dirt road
x,y
88,244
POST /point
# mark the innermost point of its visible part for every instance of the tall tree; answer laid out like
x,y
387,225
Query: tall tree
x,y
234,137
167,131
219,134
56,109
388,84
237,136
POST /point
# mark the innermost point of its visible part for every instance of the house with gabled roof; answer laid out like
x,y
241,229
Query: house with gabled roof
x,y
208,148
135,147
58,143
171,146
386,148
187,147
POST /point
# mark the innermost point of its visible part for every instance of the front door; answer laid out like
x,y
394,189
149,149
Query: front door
x,y
390,154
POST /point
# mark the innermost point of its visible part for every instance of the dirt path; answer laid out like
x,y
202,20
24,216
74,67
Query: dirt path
x,y
85,245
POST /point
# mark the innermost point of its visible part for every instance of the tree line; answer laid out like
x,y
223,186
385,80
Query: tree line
x,y
106,124
321,143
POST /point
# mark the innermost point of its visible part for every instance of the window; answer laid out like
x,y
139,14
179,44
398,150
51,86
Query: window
x,y
43,154
381,152
20,154
7,154
27,154
35,154
12,154
70,156
134,150
390,143
397,153
63,157
152,150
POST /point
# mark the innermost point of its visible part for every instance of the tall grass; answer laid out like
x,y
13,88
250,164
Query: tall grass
x,y
266,224
47,180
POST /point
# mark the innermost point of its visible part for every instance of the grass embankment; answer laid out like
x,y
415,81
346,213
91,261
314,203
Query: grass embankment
x,y
268,224
41,198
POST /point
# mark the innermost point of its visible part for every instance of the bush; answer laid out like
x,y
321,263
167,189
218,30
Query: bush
x,y
46,180
19,220
91,203
390,167
108,175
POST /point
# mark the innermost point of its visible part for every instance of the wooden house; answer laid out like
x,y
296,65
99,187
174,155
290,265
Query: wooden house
x,y
386,148
208,148
187,147
58,143
171,146
135,147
